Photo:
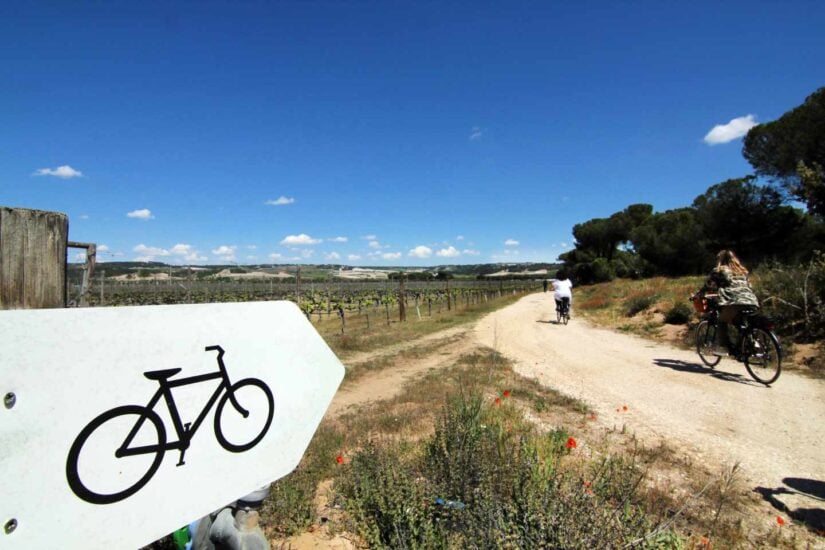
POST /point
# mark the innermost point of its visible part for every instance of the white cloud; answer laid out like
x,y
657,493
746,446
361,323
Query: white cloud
x,y
353,257
369,237
302,239
391,256
79,257
449,252
511,242
375,245
251,257
307,253
225,252
251,247
333,256
460,238
280,201
148,253
103,248
142,214
187,252
84,216
275,256
470,252
421,252
476,133
338,240
64,172
736,128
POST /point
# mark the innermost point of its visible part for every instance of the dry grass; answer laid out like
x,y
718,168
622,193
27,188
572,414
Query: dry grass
x,y
381,334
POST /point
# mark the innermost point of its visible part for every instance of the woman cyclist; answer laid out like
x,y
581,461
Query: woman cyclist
x,y
729,279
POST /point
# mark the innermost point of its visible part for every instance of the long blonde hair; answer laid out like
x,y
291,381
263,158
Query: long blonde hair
x,y
726,258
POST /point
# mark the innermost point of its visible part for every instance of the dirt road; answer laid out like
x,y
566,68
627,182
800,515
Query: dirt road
x,y
776,433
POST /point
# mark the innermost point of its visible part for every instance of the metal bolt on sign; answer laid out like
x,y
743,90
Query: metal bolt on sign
x,y
11,525
9,400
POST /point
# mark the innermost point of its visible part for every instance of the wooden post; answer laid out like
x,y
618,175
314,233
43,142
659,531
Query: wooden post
x,y
88,271
32,258
402,296
298,283
102,279
447,287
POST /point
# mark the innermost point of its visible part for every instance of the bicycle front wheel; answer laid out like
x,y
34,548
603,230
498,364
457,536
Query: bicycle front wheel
x,y
95,469
763,356
249,425
705,335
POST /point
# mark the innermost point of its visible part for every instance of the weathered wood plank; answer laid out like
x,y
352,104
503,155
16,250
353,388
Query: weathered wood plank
x,y
32,258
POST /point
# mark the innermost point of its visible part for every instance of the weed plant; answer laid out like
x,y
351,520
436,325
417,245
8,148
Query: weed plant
x,y
487,479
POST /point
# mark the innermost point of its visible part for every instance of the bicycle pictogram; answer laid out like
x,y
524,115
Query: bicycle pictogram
x,y
147,436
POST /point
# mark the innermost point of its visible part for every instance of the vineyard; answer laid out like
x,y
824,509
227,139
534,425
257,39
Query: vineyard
x,y
349,306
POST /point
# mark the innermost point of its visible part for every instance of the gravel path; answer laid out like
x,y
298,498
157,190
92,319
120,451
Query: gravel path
x,y
722,415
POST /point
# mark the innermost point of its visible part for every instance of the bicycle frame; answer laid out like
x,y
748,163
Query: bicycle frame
x,y
185,432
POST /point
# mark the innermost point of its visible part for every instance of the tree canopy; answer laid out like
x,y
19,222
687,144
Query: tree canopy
x,y
791,149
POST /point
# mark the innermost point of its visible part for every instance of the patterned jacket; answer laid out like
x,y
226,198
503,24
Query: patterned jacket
x,y
733,290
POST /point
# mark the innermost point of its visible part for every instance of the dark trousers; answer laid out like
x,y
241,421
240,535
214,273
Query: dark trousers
x,y
727,315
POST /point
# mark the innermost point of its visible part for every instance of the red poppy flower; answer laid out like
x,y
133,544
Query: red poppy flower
x,y
506,393
592,416
624,407
571,443
498,401
339,459
780,520
704,541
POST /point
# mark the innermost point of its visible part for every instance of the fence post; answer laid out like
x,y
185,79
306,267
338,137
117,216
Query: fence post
x,y
32,258
402,306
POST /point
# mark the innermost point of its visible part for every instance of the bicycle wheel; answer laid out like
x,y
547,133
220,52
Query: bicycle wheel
x,y
705,334
565,317
558,316
250,425
94,455
763,356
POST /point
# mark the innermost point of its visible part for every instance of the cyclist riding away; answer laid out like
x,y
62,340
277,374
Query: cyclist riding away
x,y
729,279
562,291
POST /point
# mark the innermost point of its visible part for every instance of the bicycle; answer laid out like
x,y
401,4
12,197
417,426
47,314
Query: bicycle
x,y
756,346
563,311
109,491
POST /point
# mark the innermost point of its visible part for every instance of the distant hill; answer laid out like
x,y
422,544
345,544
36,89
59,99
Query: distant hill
x,y
139,270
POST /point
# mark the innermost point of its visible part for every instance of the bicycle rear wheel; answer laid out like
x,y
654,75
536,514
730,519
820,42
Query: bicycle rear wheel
x,y
95,469
763,356
705,335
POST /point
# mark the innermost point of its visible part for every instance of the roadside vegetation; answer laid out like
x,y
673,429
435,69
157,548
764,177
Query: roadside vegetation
x,y
475,456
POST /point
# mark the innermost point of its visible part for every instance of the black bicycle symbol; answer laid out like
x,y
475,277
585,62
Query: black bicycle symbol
x,y
109,490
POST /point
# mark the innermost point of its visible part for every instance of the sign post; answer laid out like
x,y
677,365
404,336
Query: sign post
x,y
122,424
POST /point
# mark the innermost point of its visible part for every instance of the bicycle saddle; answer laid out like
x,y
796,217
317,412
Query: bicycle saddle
x,y
161,374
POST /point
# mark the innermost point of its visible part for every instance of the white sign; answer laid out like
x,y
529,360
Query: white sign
x,y
121,425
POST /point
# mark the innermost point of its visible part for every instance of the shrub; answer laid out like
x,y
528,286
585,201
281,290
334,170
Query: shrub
x,y
485,480
639,303
679,314
794,295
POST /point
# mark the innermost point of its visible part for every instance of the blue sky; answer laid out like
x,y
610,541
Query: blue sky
x,y
393,133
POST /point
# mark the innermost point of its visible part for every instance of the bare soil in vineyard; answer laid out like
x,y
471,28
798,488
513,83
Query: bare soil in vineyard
x,y
621,391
